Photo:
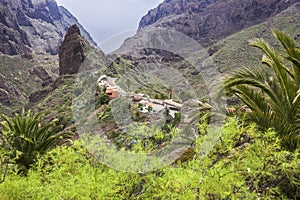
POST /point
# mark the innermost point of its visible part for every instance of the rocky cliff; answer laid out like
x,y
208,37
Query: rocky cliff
x,y
34,27
72,52
208,21
8,91
31,32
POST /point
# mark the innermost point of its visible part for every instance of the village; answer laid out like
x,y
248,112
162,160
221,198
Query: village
x,y
145,104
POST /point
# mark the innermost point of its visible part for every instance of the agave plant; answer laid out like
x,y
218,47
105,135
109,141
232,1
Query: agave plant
x,y
25,137
272,92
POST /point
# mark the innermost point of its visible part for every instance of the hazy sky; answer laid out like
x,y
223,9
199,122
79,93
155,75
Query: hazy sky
x,y
106,18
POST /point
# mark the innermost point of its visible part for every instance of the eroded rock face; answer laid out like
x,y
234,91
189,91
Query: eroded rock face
x,y
42,75
208,21
34,26
9,92
72,52
13,40
39,95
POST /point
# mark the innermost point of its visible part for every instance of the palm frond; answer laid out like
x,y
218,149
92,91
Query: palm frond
x,y
274,95
25,134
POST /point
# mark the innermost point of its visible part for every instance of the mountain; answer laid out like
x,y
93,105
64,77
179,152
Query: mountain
x,y
224,28
34,26
208,21
31,33
77,58
234,51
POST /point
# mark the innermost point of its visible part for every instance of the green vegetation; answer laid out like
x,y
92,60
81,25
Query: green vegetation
x,y
24,138
246,164
58,104
233,52
149,108
272,93
101,98
130,140
105,117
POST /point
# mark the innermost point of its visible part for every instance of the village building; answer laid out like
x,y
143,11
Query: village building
x,y
157,101
173,105
112,92
148,104
110,85
137,98
105,81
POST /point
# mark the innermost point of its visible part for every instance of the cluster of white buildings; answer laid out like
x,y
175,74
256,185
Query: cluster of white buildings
x,y
156,105
149,105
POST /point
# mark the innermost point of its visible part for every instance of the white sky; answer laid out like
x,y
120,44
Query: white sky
x,y
104,19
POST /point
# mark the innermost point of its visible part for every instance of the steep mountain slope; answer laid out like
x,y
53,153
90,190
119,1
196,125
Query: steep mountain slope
x,y
55,101
31,33
32,26
208,21
233,51
224,28
20,77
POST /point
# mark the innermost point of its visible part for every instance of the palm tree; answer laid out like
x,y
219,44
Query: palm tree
x,y
25,137
272,92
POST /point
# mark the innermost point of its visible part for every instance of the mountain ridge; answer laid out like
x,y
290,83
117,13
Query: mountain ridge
x,y
208,21
229,52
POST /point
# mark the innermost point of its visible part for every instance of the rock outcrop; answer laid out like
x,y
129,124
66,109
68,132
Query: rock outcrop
x,y
42,75
208,21
9,92
34,27
72,51
39,95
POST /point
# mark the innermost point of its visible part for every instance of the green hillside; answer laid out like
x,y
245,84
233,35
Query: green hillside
x,y
235,51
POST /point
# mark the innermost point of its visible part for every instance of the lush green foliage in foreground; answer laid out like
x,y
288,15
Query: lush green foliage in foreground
x,y
245,164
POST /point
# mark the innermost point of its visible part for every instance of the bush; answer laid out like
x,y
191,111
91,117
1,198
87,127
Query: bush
x,y
102,99
66,173
24,138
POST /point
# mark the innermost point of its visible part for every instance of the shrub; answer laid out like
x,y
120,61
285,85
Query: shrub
x,y
25,137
